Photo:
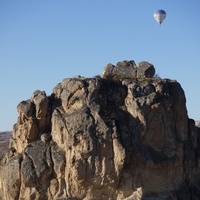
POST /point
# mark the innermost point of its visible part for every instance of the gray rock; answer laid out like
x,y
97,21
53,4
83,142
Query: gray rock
x,y
28,175
10,173
41,102
108,71
26,107
124,69
145,70
128,69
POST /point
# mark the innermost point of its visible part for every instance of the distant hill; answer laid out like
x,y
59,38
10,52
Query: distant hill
x,y
4,142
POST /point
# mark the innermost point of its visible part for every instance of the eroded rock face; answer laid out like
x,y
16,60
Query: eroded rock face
x,y
34,119
128,69
104,139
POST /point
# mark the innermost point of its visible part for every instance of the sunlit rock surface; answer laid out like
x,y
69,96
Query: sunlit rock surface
x,y
115,137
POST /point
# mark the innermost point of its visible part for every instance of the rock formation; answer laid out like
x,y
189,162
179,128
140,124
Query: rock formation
x,y
124,136
128,69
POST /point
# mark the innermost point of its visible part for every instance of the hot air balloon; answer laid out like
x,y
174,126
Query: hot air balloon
x,y
159,16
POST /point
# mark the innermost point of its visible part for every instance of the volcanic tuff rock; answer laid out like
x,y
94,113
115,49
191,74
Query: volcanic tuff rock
x,y
128,69
104,139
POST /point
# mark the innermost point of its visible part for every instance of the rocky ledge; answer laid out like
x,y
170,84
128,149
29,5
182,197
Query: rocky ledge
x,y
117,137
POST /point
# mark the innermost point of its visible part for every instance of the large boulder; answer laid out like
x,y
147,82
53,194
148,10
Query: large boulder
x,y
25,110
145,70
129,70
124,69
42,112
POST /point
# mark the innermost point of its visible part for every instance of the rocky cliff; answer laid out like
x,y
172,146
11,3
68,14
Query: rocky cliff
x,y
125,135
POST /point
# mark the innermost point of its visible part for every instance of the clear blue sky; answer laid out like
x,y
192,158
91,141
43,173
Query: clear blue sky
x,y
44,41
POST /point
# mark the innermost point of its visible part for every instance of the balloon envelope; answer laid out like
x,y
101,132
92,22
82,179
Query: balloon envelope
x,y
159,16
